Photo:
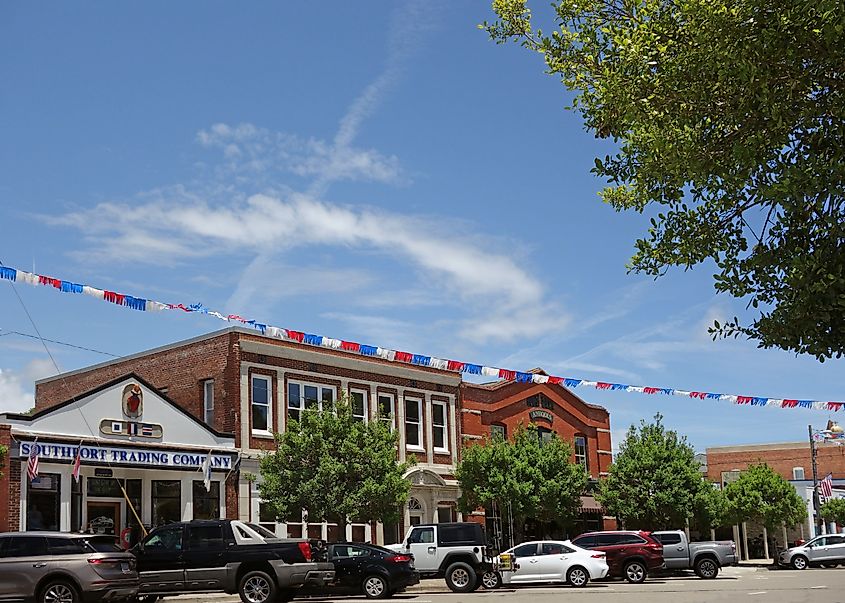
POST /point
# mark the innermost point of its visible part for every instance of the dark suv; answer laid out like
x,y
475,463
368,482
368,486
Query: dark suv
x,y
631,555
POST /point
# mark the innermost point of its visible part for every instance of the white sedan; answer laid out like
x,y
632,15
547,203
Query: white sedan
x,y
555,561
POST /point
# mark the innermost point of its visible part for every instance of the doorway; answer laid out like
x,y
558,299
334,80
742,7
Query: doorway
x,y
104,518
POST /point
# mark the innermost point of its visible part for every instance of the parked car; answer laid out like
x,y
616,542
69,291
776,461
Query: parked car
x,y
827,550
554,561
226,556
374,571
454,551
58,567
630,554
705,558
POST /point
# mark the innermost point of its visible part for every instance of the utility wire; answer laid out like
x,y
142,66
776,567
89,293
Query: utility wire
x,y
4,332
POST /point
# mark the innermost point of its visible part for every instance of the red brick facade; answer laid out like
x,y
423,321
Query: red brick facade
x,y
784,458
509,404
230,358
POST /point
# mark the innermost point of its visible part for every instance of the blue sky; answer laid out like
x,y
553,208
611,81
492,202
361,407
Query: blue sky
x,y
378,172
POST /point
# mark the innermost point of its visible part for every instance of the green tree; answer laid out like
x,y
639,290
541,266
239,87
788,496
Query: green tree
x,y
834,510
710,508
3,451
538,478
761,494
654,481
336,469
729,119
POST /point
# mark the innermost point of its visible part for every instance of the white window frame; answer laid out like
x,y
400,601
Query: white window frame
x,y
390,419
208,401
302,385
269,381
795,471
366,396
444,426
585,458
415,447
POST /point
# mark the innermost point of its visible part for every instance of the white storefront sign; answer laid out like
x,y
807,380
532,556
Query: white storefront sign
x,y
126,456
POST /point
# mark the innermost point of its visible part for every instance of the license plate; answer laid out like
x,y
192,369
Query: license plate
x,y
124,567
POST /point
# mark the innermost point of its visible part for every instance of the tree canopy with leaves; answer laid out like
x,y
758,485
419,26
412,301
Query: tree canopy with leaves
x,y
760,493
729,118
335,468
539,478
834,510
654,483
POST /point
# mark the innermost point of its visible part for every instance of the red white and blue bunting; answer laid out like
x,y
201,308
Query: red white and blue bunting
x,y
148,305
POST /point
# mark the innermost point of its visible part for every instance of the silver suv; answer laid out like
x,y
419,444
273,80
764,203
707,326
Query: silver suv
x,y
827,550
58,567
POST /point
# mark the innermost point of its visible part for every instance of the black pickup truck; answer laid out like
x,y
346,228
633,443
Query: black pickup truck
x,y
226,556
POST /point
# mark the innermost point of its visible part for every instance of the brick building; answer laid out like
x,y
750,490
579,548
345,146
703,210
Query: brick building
x,y
497,409
239,387
793,462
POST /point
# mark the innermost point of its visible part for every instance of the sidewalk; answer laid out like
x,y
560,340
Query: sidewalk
x,y
765,563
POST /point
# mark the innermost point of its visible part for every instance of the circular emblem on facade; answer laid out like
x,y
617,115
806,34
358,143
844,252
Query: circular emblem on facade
x,y
133,401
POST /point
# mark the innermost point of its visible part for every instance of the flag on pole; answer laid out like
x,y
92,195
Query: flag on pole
x,y
206,472
77,463
32,463
826,486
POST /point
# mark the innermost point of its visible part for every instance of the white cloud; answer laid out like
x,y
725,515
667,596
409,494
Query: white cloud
x,y
17,387
252,150
458,261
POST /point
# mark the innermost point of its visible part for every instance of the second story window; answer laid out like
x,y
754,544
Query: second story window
x,y
308,396
413,423
208,401
798,473
440,426
262,397
360,405
385,409
498,432
581,450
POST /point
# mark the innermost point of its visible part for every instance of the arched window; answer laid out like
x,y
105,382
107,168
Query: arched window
x,y
415,512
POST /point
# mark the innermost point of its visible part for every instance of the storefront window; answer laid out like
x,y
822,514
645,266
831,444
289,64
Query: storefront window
x,y
206,502
42,502
167,501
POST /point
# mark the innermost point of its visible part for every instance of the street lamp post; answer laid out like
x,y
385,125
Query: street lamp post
x,y
816,500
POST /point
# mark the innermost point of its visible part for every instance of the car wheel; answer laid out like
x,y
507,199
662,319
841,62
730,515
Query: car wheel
x,y
491,580
375,587
460,577
59,592
635,572
577,576
257,587
706,568
799,562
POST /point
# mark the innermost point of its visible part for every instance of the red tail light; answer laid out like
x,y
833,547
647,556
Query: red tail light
x,y
305,549
104,560
398,558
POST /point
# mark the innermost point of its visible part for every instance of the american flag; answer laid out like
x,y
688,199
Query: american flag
x,y
32,464
77,463
826,486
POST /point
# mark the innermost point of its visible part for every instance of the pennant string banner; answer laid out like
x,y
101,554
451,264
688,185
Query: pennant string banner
x,y
148,305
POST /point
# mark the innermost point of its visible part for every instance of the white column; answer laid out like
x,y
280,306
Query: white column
x,y
187,499
400,423
429,431
765,543
712,534
65,479
745,541
785,538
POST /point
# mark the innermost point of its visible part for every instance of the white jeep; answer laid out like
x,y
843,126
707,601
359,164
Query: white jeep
x,y
454,551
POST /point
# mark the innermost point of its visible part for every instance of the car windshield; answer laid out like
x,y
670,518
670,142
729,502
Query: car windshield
x,y
264,532
102,544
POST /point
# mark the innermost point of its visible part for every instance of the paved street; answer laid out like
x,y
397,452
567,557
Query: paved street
x,y
781,586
